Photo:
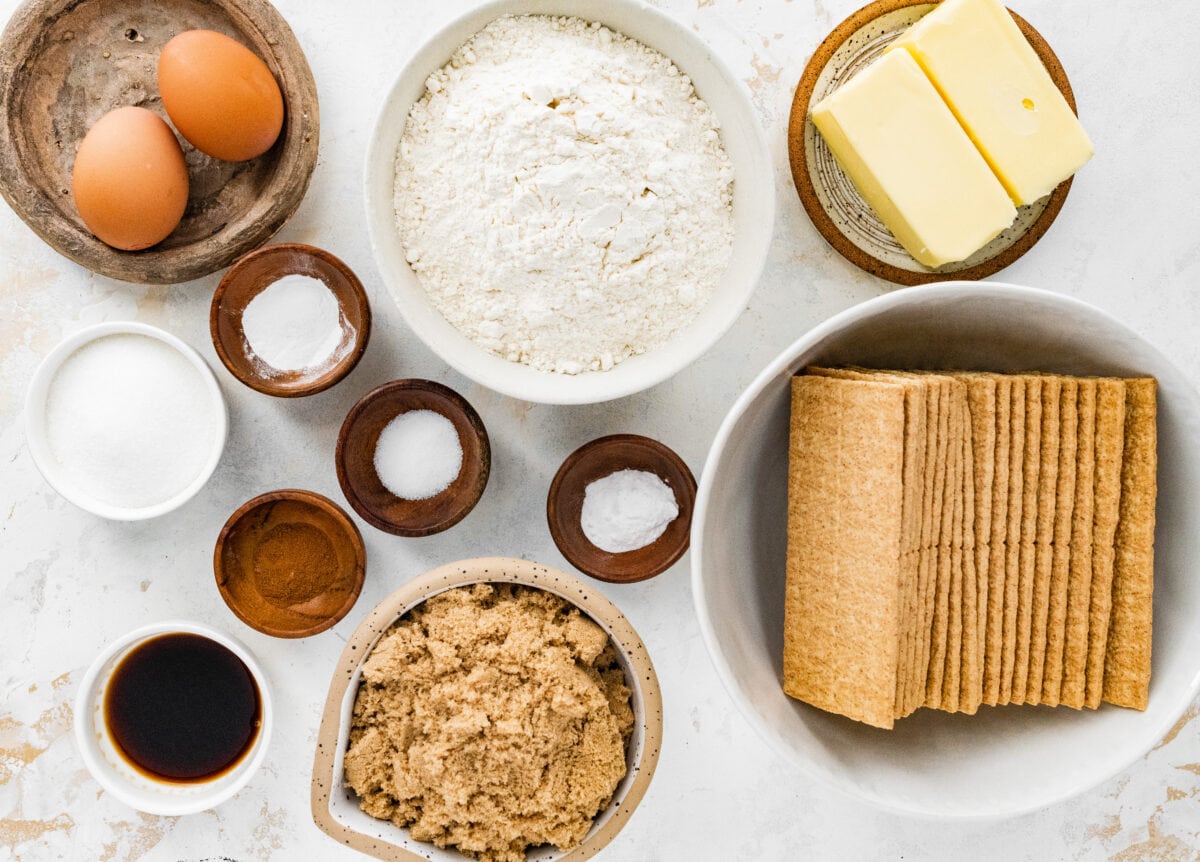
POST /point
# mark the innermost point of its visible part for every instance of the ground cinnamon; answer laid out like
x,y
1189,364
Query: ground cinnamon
x,y
293,563
289,567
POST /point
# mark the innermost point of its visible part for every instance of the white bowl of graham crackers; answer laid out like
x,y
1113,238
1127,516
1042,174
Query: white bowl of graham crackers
x,y
921,640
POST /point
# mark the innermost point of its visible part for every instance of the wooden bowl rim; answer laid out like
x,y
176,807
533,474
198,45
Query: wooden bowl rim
x,y
330,376
802,179
415,384
686,506
588,599
317,501
288,184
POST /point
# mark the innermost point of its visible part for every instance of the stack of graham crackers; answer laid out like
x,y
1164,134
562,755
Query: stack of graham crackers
x,y
967,538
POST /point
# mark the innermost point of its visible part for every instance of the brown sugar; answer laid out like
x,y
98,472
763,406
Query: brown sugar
x,y
491,718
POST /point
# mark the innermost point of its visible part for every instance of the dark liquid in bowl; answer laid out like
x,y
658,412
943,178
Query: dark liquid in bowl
x,y
182,707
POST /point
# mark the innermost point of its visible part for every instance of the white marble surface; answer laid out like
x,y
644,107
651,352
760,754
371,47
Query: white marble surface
x,y
1128,240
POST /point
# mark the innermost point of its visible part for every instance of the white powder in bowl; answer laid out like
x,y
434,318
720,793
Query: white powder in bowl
x,y
295,324
129,420
627,510
563,194
418,455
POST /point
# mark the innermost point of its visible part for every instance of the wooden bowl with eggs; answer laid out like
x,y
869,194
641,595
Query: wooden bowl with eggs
x,y
64,64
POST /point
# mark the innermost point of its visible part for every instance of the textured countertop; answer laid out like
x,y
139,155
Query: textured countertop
x,y
1128,241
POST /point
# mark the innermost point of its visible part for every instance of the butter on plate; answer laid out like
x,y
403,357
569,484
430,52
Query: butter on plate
x,y
912,162
997,87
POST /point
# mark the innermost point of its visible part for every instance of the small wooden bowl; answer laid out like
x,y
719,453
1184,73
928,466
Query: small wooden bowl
x,y
66,63
832,202
600,458
250,276
355,457
320,598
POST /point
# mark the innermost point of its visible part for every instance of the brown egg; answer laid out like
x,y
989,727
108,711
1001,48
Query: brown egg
x,y
219,95
130,182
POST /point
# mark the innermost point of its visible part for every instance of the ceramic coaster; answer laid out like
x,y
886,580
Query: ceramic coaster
x,y
831,200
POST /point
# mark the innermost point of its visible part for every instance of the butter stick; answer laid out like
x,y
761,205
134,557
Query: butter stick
x,y
997,87
911,161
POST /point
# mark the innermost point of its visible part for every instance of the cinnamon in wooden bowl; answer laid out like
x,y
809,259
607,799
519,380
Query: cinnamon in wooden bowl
x,y
290,563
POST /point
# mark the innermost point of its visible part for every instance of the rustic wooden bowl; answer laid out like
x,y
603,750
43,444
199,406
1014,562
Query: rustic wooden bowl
x,y
832,202
335,807
255,272
598,459
66,63
324,597
355,457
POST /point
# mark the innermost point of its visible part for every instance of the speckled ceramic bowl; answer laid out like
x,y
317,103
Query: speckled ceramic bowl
x,y
335,807
835,206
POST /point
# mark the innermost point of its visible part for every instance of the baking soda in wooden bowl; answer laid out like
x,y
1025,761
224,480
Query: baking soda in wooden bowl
x,y
296,325
627,510
125,420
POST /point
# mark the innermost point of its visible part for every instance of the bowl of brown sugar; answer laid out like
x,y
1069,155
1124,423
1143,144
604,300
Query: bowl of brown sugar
x,y
290,563
554,730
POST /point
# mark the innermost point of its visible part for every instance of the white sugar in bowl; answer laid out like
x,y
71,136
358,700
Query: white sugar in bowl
x,y
125,420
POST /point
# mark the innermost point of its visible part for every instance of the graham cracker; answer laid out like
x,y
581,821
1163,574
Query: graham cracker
x,y
1027,556
1079,581
914,485
952,678
940,560
1044,538
994,634
841,611
981,403
919,637
1061,560
1016,485
937,423
914,467
1110,443
971,671
1127,659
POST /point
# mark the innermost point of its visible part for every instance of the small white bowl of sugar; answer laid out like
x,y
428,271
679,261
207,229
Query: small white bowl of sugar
x,y
125,420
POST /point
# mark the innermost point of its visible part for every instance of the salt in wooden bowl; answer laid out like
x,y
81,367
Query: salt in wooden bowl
x,y
364,489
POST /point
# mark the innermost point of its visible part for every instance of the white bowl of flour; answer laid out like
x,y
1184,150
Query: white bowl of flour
x,y
571,224
125,420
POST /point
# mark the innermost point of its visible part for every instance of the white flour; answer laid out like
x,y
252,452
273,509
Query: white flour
x,y
563,194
